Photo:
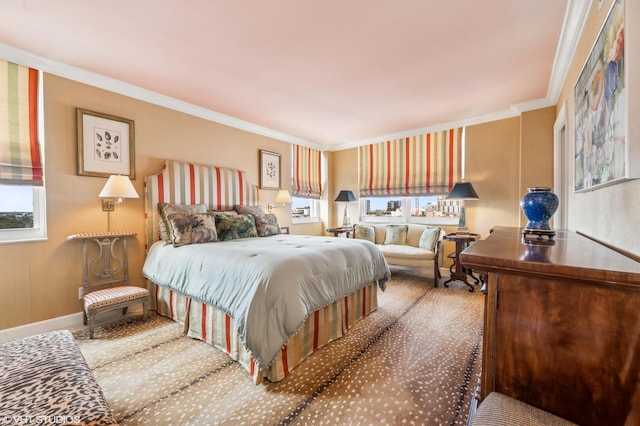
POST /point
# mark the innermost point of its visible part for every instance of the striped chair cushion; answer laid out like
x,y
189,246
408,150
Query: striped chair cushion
x,y
113,296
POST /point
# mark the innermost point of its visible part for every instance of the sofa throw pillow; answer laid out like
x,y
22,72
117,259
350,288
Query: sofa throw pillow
x,y
396,234
364,232
192,228
267,225
165,209
429,238
235,227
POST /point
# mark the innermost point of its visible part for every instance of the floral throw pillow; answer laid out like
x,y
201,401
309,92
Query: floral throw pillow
x,y
192,228
364,232
235,227
396,234
165,209
267,225
242,209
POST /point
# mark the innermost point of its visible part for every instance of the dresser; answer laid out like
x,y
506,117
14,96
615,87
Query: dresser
x,y
561,325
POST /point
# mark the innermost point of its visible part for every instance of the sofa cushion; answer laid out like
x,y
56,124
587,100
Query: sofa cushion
x,y
396,234
429,238
364,232
406,255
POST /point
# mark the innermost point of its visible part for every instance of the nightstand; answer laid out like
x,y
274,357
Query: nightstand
x,y
114,297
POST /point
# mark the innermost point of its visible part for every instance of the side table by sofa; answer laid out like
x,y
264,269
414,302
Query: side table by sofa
x,y
459,272
338,231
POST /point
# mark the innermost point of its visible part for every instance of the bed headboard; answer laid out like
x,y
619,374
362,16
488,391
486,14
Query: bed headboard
x,y
187,183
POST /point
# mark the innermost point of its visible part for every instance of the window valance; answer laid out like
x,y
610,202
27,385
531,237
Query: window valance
x,y
424,164
20,156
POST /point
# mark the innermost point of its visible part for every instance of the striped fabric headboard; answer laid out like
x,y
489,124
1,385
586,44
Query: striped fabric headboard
x,y
186,183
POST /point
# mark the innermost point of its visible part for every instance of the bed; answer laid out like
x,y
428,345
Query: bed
x,y
267,299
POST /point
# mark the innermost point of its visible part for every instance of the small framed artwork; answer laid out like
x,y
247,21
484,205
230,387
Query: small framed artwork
x,y
106,145
269,170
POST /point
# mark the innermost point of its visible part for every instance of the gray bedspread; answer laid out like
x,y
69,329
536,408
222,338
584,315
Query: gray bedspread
x,y
268,285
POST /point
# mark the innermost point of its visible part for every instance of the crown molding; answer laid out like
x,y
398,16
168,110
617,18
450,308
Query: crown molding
x,y
575,19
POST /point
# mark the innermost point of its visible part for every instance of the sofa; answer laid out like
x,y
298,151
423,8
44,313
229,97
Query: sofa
x,y
407,246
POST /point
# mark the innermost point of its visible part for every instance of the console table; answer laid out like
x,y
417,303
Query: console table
x,y
107,299
561,325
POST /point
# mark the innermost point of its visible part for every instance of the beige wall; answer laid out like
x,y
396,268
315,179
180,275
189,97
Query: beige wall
x,y
40,280
609,214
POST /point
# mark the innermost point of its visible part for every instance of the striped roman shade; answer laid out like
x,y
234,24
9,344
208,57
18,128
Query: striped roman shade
x,y
417,165
20,156
307,172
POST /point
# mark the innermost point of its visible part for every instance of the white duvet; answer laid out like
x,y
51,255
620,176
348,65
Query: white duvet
x,y
268,285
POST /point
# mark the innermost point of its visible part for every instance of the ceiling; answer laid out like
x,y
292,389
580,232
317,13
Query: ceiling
x,y
329,74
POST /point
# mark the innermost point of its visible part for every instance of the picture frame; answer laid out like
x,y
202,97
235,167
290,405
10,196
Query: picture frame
x,y
106,145
602,144
269,170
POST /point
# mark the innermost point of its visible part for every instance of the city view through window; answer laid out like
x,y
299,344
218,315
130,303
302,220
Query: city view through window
x,y
420,206
16,207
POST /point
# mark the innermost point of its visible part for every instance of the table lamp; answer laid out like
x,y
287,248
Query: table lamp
x,y
462,191
346,197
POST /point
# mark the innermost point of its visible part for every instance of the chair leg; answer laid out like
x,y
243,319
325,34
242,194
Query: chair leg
x,y
92,320
145,314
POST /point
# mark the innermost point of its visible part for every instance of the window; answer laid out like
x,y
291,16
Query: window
x,y
22,214
435,209
305,209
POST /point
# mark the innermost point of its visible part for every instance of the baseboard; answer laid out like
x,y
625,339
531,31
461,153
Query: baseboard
x,y
72,322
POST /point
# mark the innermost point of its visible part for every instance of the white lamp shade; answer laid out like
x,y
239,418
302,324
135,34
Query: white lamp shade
x,y
283,197
118,186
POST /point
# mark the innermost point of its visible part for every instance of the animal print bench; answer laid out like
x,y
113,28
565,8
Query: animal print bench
x,y
44,379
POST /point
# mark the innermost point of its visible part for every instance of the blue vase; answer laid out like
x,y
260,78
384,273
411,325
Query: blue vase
x,y
539,205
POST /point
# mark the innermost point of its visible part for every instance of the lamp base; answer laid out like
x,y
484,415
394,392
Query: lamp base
x,y
346,221
462,223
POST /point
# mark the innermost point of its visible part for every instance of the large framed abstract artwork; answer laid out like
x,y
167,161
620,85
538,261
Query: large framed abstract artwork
x,y
601,110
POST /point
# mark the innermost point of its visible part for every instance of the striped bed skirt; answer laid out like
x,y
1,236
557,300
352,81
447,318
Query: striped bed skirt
x,y
211,325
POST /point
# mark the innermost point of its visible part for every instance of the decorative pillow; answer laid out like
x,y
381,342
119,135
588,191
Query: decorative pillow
x,y
257,209
364,232
235,227
165,209
396,234
192,228
267,225
429,238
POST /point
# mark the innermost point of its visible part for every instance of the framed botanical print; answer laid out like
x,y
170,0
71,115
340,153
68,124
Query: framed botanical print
x,y
269,170
106,145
